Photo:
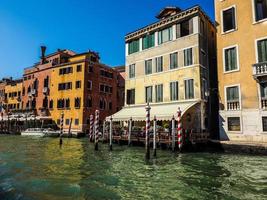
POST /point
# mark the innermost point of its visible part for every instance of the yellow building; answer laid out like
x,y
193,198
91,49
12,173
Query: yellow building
x,y
168,64
242,67
13,92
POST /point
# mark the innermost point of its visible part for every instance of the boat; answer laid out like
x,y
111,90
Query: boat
x,y
33,132
41,132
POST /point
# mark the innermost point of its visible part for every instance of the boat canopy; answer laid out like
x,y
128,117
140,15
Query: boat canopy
x,y
163,111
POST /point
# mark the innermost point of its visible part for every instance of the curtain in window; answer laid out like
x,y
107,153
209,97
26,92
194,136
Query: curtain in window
x,y
159,64
230,59
149,94
189,89
173,60
159,93
232,94
174,91
262,50
188,60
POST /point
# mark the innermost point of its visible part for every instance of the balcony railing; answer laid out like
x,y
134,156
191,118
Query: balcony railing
x,y
260,69
233,105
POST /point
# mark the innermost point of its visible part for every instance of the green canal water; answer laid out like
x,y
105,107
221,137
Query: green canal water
x,y
32,168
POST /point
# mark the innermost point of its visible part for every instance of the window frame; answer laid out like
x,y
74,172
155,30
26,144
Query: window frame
x,y
192,56
240,121
222,21
256,48
176,82
225,96
255,21
146,61
156,93
193,89
237,59
177,61
130,67
146,99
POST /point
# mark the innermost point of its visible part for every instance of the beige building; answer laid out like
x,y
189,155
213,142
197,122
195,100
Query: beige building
x,y
168,64
242,68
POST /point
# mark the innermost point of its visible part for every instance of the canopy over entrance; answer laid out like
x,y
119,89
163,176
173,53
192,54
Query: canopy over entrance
x,y
162,111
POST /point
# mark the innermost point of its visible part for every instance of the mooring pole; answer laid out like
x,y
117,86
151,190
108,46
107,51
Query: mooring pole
x,y
154,136
147,131
61,128
173,134
110,133
2,121
91,128
179,129
8,123
130,131
96,129
69,132
103,132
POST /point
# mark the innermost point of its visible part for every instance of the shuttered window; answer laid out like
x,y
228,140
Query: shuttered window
x,y
174,60
262,50
189,89
148,41
159,93
184,28
188,57
149,94
148,67
230,59
229,19
133,46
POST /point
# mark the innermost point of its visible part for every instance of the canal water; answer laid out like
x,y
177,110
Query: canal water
x,y
36,168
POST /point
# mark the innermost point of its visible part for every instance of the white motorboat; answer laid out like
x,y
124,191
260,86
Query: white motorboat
x,y
33,132
51,132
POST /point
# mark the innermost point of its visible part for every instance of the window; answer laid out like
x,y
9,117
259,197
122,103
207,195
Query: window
x,y
229,19
159,64
233,124
110,105
65,86
78,84
185,28
90,68
46,81
263,88
230,59
262,50
159,93
58,121
66,70
189,89
102,88
77,102
76,122
133,46
89,85
51,104
102,104
45,102
165,35
89,102
79,68
67,122
132,71
232,97
260,9
174,91
174,60
148,41
148,67
149,94
130,97
202,27
264,124
67,103
188,57
60,103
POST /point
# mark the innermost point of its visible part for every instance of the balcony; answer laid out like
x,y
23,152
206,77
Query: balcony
x,y
233,105
259,70
264,103
33,92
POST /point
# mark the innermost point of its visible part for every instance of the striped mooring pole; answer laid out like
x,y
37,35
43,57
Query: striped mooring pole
x,y
110,133
61,128
91,128
179,129
173,134
154,137
96,129
147,131
130,131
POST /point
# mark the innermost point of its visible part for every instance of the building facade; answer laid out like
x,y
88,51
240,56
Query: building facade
x,y
169,64
242,68
65,82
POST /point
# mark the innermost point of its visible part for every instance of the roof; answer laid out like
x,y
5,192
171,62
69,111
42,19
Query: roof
x,y
162,111
168,11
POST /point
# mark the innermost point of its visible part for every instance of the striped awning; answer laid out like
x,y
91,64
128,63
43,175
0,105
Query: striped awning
x,y
164,111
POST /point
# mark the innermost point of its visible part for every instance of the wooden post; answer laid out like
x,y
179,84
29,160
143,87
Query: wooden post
x,y
103,132
130,131
8,123
147,131
154,136
173,134
91,128
69,132
61,128
2,121
110,134
179,129
96,129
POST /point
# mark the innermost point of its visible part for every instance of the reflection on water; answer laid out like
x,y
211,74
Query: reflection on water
x,y
39,169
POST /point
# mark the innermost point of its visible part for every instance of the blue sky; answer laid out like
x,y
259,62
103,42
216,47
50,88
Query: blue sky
x,y
78,25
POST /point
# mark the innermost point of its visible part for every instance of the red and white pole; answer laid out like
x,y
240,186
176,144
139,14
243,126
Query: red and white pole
x,y
147,131
96,129
179,128
91,132
61,128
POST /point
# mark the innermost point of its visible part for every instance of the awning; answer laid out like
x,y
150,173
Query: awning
x,y
162,111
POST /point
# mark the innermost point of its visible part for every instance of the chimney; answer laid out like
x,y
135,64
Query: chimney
x,y
43,48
